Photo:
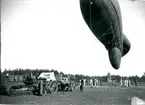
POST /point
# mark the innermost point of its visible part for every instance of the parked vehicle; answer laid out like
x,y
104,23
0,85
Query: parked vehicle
x,y
14,84
67,83
49,82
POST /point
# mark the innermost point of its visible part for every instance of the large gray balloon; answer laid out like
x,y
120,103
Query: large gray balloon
x,y
104,19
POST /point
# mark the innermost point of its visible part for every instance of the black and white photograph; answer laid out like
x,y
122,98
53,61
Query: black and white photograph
x,y
72,52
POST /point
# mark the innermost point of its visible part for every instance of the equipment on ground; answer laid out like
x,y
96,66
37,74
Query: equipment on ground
x,y
66,83
45,83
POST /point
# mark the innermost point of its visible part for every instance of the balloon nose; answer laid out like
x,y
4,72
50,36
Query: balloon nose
x,y
115,57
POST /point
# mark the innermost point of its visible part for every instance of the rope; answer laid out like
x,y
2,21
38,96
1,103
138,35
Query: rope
x,y
90,3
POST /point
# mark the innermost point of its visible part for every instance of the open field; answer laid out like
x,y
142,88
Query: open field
x,y
101,95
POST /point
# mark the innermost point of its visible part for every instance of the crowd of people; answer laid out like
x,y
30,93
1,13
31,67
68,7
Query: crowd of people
x,y
96,82
128,82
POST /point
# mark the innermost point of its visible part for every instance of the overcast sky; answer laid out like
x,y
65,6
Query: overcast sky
x,y
52,34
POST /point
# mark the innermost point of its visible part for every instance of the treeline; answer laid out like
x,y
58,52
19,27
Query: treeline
x,y
27,71
37,72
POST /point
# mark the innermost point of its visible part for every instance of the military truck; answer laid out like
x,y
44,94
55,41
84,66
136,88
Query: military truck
x,y
14,84
66,83
18,84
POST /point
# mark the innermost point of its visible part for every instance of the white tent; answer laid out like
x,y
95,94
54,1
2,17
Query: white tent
x,y
48,76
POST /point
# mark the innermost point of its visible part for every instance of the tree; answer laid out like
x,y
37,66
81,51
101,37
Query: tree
x,y
144,74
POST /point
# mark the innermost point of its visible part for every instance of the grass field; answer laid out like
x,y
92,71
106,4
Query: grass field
x,y
102,95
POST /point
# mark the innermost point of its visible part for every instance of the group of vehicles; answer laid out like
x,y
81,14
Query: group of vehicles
x,y
50,84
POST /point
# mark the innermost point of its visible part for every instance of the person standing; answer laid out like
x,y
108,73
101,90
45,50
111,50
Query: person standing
x,y
82,85
91,82
121,82
135,81
84,82
128,82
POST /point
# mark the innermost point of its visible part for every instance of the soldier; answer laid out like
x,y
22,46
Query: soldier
x,y
135,81
100,82
82,85
121,82
91,82
84,82
128,82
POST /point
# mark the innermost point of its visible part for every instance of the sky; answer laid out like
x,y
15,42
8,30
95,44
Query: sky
x,y
51,34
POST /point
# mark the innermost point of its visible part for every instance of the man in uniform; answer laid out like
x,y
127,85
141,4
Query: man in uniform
x,y
82,85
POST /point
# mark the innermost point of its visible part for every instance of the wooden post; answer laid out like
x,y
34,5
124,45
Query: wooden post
x,y
40,88
45,87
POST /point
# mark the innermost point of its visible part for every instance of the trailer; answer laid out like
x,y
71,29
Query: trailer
x,y
50,84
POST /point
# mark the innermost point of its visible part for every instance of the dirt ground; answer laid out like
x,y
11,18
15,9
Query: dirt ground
x,y
90,96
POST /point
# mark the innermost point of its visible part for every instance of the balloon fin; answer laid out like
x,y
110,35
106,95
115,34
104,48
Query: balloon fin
x,y
126,45
115,57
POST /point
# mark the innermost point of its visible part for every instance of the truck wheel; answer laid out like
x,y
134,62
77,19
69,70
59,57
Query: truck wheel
x,y
53,87
73,86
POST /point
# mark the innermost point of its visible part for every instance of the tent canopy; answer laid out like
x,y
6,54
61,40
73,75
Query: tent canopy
x,y
48,76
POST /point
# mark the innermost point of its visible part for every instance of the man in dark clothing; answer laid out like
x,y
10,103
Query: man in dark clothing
x,y
135,81
82,85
